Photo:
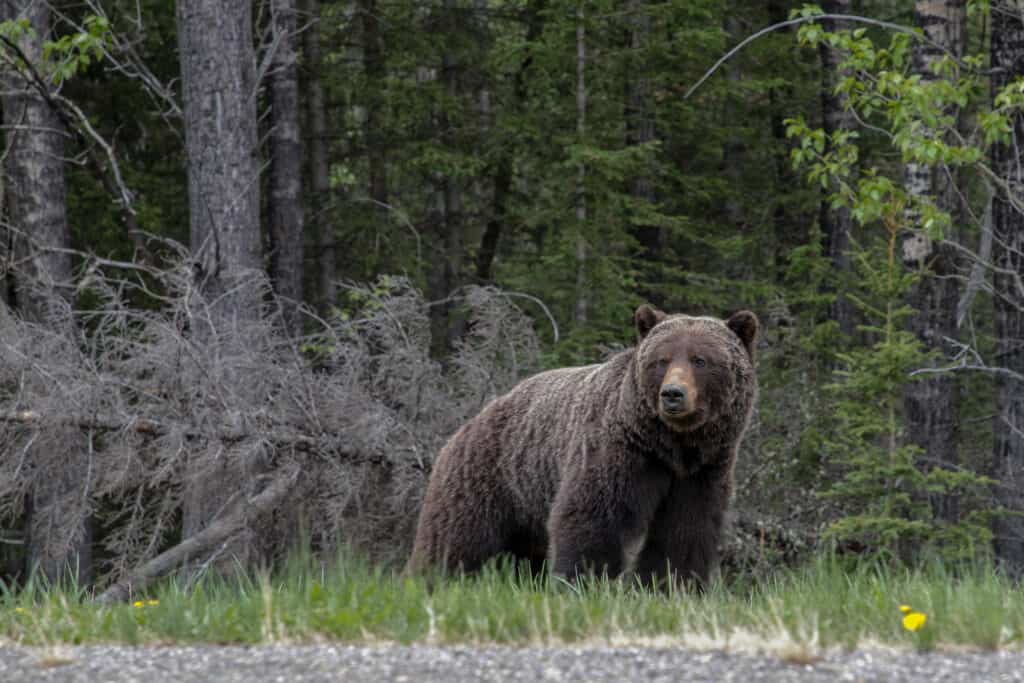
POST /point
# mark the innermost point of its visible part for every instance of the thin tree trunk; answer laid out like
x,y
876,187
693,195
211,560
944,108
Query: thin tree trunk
x,y
582,312
837,223
932,404
504,171
218,83
287,218
374,67
59,527
640,130
1008,256
447,222
319,170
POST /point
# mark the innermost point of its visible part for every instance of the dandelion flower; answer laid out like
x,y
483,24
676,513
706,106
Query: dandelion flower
x,y
905,609
138,603
914,621
20,610
152,603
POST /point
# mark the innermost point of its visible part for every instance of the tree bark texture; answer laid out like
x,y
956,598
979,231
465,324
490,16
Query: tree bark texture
x,y
218,73
836,223
285,186
59,525
1008,257
218,82
932,404
319,169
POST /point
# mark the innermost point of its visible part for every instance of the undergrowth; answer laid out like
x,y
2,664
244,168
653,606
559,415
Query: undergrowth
x,y
798,613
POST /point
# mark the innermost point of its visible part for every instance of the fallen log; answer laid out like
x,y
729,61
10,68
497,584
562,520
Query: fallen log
x,y
280,437
203,543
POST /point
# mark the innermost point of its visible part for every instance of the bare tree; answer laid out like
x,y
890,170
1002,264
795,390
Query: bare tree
x,y
932,403
1007,58
218,69
59,528
285,182
361,425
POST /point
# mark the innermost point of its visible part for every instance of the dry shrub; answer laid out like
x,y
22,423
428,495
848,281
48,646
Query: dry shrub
x,y
156,388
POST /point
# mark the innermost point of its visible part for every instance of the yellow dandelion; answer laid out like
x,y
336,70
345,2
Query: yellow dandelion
x,y
20,610
905,609
152,603
914,621
138,603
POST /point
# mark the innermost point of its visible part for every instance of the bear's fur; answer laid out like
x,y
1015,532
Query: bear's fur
x,y
627,463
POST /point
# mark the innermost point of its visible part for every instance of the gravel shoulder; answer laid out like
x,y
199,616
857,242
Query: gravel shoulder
x,y
417,663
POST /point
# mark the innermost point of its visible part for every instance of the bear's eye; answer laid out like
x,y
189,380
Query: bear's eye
x,y
699,362
664,362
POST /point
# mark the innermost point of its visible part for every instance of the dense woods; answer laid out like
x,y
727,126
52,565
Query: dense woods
x,y
259,259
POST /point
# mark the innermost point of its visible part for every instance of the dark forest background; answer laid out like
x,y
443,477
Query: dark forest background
x,y
261,258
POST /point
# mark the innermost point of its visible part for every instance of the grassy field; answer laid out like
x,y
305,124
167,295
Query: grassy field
x,y
795,614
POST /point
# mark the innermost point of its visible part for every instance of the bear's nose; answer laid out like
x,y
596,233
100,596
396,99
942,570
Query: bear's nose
x,y
673,395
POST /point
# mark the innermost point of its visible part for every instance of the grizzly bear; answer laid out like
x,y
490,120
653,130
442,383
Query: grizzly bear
x,y
604,468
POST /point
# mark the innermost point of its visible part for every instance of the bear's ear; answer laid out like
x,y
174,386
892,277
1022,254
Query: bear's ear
x,y
646,317
744,324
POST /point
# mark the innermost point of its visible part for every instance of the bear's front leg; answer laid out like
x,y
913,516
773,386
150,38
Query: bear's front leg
x,y
599,514
682,546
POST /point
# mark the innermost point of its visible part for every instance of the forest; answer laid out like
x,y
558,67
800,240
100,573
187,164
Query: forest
x,y
260,259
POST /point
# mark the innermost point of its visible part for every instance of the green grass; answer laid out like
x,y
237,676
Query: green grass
x,y
796,613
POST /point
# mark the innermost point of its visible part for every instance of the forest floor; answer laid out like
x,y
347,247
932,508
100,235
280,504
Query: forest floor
x,y
422,663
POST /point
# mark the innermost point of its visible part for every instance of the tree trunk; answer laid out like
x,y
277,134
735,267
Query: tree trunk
x,y
319,170
1008,257
836,223
582,311
640,131
218,74
58,519
503,173
932,404
374,67
218,83
285,182
447,221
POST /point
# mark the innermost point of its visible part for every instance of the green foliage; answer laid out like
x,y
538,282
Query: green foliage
x,y
821,605
883,486
73,53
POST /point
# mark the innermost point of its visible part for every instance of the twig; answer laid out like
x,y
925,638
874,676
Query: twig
x,y
806,20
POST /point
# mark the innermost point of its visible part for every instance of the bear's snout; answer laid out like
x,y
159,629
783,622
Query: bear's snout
x,y
674,399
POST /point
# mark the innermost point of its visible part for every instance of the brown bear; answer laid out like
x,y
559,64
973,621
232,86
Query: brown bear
x,y
603,468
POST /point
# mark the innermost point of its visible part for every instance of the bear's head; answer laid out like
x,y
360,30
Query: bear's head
x,y
689,369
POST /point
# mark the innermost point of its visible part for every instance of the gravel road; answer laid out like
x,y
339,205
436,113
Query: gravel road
x,y
102,664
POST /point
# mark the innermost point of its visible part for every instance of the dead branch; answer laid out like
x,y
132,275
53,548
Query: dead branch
x,y
202,543
278,437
